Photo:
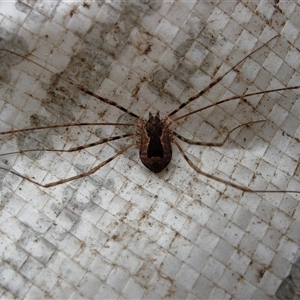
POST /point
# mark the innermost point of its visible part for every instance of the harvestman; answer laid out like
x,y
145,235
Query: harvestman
x,y
154,135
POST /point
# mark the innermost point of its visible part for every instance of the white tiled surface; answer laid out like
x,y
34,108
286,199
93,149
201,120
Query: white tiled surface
x,y
125,232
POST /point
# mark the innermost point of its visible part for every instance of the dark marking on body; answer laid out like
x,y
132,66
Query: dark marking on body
x,y
155,143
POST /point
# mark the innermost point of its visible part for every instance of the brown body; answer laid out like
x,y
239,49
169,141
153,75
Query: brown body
x,y
155,144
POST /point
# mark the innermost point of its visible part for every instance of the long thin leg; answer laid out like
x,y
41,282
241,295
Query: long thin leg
x,y
214,144
235,98
81,88
74,148
234,185
217,80
66,125
93,170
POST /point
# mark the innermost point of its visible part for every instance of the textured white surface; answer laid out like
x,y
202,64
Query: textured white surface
x,y
124,232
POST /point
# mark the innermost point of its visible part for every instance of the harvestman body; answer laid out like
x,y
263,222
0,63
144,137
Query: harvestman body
x,y
154,135
155,144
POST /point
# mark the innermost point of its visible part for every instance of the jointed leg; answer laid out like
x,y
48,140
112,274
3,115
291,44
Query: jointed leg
x,y
234,185
81,88
66,125
75,148
214,144
93,170
214,82
235,98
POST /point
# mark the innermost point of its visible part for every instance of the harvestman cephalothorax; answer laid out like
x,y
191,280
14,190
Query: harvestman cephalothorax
x,y
154,136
